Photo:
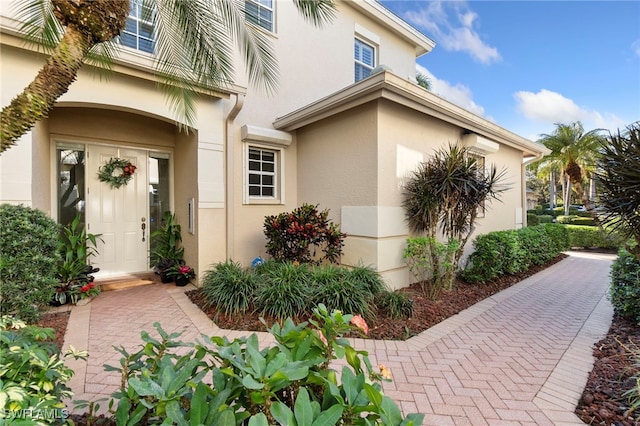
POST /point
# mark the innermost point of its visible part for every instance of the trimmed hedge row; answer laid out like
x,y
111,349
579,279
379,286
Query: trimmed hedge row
x,y
509,252
592,237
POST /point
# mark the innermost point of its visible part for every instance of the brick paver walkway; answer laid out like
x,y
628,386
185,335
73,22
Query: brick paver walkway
x,y
520,357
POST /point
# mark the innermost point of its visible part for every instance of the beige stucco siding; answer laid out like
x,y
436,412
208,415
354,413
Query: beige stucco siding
x,y
338,161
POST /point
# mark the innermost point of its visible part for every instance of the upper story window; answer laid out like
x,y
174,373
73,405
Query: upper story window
x,y
260,12
364,55
138,32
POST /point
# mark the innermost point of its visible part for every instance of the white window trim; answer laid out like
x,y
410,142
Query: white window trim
x,y
279,175
273,16
137,35
367,42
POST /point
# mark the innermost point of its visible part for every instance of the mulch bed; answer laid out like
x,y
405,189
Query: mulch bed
x,y
426,312
603,402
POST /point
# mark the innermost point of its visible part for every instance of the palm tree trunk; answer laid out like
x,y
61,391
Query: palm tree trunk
x,y
552,190
38,98
567,194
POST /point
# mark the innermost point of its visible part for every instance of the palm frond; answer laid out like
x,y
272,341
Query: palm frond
x,y
318,12
38,23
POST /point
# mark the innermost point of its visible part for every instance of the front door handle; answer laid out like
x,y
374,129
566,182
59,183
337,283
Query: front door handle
x,y
144,227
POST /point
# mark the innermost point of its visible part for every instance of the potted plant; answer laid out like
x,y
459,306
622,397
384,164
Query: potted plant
x,y
181,274
74,273
166,247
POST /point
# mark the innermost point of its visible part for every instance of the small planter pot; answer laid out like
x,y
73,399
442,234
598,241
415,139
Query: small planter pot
x,y
164,278
181,281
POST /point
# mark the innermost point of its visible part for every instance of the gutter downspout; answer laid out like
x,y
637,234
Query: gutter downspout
x,y
229,169
523,173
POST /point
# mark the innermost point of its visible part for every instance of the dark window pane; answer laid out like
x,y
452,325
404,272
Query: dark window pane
x,y
146,45
254,179
268,156
254,190
267,191
267,180
128,40
254,166
146,30
268,167
254,155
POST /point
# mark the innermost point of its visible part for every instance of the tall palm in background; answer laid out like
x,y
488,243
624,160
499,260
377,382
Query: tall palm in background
x,y
573,157
194,45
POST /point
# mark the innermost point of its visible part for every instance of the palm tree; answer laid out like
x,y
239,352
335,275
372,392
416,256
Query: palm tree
x,y
194,46
423,80
573,155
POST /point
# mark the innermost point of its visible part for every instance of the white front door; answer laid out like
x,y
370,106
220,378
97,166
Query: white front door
x,y
119,215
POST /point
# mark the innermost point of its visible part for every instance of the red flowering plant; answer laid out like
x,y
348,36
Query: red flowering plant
x,y
179,271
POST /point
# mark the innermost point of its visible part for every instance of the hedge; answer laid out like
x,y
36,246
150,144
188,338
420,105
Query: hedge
x,y
592,237
509,252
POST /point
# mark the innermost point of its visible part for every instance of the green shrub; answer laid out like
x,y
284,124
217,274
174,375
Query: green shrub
x,y
287,383
28,258
229,287
33,375
592,237
545,218
369,278
334,287
624,292
432,263
285,291
557,211
565,219
495,254
532,219
535,211
301,235
585,221
396,304
559,238
509,252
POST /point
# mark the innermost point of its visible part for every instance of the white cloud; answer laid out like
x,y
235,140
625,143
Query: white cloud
x,y
635,46
454,34
458,94
550,107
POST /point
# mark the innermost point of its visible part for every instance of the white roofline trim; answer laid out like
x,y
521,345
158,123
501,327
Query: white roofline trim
x,y
386,85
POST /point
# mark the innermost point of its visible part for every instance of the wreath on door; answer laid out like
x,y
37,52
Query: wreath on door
x,y
116,172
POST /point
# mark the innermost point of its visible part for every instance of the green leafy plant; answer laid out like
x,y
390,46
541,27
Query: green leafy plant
x,y
368,278
624,291
432,263
593,237
444,196
166,245
395,303
285,291
305,235
509,252
33,375
619,176
74,271
28,258
288,383
230,287
338,289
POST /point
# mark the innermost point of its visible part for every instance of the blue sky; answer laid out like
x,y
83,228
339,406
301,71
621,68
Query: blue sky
x,y
526,65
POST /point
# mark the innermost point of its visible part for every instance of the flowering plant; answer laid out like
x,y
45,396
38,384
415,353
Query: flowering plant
x,y
106,172
181,271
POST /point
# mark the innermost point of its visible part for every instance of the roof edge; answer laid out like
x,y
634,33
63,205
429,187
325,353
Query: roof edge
x,y
385,85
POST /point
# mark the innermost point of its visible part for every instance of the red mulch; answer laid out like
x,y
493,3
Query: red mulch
x,y
602,402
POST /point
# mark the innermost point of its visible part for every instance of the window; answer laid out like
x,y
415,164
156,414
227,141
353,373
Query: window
x,y
138,32
480,165
260,12
364,56
262,173
71,179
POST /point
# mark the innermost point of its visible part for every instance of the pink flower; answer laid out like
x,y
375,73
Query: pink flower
x,y
185,269
359,322
321,336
